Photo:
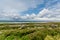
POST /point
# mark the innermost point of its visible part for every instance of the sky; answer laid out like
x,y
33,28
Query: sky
x,y
30,10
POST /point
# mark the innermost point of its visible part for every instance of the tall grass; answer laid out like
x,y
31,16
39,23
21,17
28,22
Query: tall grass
x,y
34,31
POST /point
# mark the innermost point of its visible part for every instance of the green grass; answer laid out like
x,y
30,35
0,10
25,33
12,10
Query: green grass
x,y
31,31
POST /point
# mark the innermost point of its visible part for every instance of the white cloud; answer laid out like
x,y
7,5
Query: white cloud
x,y
10,9
19,5
52,12
45,15
43,12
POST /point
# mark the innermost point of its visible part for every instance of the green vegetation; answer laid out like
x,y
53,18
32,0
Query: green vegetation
x,y
30,31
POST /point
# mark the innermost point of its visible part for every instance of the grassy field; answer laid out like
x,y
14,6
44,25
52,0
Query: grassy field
x,y
30,31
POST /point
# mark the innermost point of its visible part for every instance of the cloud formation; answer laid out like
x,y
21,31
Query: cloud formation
x,y
19,5
45,15
12,10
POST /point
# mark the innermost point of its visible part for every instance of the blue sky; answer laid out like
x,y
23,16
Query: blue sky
x,y
30,10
